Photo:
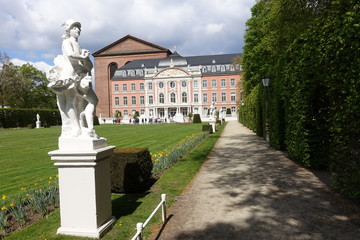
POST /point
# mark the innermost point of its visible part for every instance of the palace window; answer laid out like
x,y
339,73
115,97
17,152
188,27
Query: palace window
x,y
213,97
233,109
116,101
205,111
161,85
126,112
141,86
213,68
213,83
151,99
232,68
232,82
142,111
124,87
223,83
205,98
204,83
142,100
161,98
125,101
149,86
233,97
183,83
196,84
133,87
223,97
222,68
172,84
133,100
116,87
184,97
172,98
196,97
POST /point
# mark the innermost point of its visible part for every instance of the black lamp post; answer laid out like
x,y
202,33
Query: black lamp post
x,y
266,82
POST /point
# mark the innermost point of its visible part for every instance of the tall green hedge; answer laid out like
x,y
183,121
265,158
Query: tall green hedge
x,y
314,92
12,118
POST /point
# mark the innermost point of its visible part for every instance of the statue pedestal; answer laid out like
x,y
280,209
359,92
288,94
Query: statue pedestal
x,y
38,124
85,190
212,123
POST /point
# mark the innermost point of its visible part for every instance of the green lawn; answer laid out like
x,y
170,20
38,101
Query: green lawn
x,y
24,158
132,208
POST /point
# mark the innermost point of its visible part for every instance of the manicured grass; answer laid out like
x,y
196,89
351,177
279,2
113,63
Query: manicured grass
x,y
24,158
132,208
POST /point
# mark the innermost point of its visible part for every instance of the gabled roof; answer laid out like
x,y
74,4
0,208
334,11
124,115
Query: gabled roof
x,y
113,48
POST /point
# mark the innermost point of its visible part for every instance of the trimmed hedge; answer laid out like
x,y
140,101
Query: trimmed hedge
x,y
130,170
207,128
13,118
196,118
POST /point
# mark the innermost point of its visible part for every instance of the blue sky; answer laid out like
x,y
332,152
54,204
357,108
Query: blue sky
x,y
31,29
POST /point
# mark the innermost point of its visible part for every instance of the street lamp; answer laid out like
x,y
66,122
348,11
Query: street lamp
x,y
266,82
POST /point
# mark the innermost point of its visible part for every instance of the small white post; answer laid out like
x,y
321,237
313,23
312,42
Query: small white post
x,y
163,198
139,228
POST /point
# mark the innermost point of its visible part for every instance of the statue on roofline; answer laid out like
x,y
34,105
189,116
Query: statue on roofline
x,y
71,79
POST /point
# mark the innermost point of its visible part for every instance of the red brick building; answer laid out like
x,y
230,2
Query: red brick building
x,y
135,75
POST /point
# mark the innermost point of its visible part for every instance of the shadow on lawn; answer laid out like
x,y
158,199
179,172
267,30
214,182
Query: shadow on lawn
x,y
126,204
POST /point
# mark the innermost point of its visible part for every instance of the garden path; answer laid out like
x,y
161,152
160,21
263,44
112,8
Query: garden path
x,y
246,190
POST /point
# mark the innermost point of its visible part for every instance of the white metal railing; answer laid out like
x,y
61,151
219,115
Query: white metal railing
x,y
140,226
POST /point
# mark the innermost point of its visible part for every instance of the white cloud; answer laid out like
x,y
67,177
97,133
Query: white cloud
x,y
195,26
42,66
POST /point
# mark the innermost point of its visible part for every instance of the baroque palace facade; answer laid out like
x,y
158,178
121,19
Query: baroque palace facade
x,y
135,75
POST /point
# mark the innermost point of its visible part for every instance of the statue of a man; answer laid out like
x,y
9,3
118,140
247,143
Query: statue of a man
x,y
70,79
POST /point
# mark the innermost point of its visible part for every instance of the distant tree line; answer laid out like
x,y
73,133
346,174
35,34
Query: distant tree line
x,y
23,86
310,50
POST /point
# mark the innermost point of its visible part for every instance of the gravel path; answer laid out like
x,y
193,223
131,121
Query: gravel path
x,y
247,191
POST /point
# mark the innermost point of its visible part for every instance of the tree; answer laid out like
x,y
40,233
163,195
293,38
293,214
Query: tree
x,y
24,86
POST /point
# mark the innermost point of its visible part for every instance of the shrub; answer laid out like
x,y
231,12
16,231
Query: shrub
x,y
197,118
11,117
207,128
130,170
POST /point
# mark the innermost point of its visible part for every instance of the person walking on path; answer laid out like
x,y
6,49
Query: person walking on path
x,y
246,190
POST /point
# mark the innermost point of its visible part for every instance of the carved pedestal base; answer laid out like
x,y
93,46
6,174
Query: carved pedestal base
x,y
85,194
212,123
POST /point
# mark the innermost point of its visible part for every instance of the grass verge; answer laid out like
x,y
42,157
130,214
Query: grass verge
x,y
132,208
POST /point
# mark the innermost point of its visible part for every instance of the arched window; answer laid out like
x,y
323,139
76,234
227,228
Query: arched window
x,y
112,69
172,98
184,97
161,85
183,83
172,84
161,98
222,68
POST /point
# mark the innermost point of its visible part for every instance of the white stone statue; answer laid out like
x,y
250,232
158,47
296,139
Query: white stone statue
x,y
71,79
212,111
37,117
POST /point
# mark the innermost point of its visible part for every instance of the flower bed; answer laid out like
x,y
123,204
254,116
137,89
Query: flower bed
x,y
164,159
30,205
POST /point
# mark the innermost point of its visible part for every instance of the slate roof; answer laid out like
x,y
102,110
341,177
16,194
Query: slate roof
x,y
192,61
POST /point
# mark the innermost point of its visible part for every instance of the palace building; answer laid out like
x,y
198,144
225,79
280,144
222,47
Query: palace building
x,y
133,75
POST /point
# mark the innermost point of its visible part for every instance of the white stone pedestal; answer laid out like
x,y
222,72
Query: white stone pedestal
x,y
85,190
38,124
212,123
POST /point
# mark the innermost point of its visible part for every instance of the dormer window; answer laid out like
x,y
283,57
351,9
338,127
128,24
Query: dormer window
x,y
232,68
213,69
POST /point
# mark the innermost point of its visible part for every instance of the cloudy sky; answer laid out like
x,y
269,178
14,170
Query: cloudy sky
x,y
31,29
